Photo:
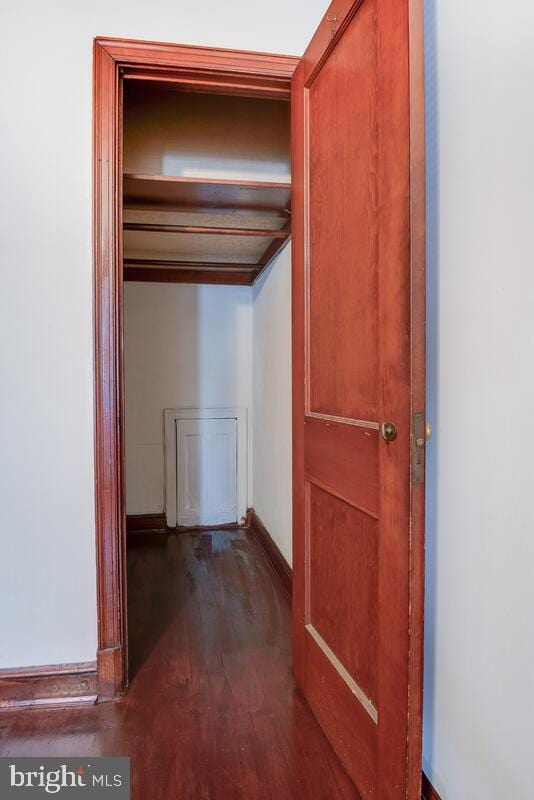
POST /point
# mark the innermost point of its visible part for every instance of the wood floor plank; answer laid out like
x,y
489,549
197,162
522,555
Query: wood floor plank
x,y
212,712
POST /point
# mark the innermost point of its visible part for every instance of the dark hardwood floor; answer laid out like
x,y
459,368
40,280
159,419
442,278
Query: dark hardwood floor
x,y
212,711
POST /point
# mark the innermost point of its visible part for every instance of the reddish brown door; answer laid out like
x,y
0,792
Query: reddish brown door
x,y
358,294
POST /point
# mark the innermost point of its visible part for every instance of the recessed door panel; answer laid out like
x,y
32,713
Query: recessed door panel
x,y
206,471
343,552
345,457
343,226
190,473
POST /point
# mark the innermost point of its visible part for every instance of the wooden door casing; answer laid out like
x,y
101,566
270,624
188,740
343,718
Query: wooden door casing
x,y
358,361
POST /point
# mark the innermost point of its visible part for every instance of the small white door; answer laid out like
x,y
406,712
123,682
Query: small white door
x,y
206,471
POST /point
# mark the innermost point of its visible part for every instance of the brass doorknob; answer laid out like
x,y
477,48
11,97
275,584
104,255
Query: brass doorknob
x,y
388,431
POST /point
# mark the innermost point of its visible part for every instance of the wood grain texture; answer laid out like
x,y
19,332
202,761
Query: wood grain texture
x,y
271,551
227,526
207,134
342,305
154,275
273,249
210,132
204,229
273,89
358,337
418,381
347,620
199,68
109,403
194,247
298,329
429,793
212,710
337,16
204,68
146,522
56,685
164,263
343,459
204,194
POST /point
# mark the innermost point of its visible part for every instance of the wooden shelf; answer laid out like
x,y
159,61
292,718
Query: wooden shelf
x,y
159,246
151,227
205,266
207,194
167,271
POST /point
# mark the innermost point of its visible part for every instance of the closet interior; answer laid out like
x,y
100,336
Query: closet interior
x,y
206,204
206,184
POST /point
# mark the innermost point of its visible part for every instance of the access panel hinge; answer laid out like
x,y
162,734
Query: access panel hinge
x,y
418,447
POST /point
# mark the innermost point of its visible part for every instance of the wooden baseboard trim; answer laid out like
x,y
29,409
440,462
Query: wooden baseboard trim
x,y
157,523
52,686
109,671
228,526
429,793
271,551
136,523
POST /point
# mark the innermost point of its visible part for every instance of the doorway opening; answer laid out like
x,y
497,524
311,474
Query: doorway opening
x,y
192,204
206,210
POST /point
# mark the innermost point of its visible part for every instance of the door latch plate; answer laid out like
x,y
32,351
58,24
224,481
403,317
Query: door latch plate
x,y
418,447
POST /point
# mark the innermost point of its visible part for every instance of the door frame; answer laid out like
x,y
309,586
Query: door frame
x,y
201,69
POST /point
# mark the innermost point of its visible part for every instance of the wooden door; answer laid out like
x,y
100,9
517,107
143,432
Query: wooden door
x,y
206,471
358,339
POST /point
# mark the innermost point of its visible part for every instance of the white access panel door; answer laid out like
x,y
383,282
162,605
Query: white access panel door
x,y
206,471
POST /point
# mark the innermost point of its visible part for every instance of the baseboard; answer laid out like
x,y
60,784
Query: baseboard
x,y
110,673
53,686
271,551
227,526
429,793
145,522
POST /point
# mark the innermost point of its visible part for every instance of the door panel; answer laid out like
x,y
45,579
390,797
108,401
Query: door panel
x,y
343,554
189,473
358,348
342,160
206,471
344,459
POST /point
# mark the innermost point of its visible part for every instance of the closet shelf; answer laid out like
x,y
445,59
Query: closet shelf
x,y
161,245
165,263
164,271
207,194
152,227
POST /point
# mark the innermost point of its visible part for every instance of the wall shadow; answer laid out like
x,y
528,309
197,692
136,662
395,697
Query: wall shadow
x,y
432,375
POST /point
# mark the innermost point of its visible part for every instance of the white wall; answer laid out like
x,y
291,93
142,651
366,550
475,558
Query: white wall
x,y
212,346
48,569
272,400
479,702
184,346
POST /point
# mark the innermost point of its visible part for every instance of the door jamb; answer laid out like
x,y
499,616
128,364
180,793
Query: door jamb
x,y
205,69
